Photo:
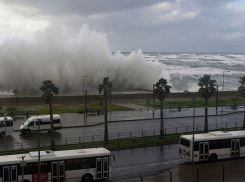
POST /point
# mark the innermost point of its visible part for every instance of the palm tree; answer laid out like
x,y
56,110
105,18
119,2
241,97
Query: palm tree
x,y
106,86
48,88
207,89
241,90
161,91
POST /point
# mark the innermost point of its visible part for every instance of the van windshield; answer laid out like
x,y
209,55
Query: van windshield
x,y
26,123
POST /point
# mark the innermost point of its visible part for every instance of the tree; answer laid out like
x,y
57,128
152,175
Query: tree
x,y
106,86
161,91
207,89
49,89
241,91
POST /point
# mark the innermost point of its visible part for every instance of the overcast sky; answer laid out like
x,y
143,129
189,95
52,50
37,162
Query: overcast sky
x,y
149,25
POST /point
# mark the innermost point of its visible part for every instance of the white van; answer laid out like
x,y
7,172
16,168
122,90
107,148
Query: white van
x,y
9,126
31,125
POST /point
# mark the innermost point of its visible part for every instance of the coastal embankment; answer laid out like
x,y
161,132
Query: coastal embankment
x,y
126,96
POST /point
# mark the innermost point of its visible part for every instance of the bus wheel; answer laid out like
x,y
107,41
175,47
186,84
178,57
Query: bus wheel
x,y
2,134
87,178
213,158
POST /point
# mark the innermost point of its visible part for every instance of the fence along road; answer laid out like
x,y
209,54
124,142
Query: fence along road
x,y
116,137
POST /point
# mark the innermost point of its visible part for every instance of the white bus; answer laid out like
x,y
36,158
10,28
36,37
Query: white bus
x,y
31,125
9,126
213,145
58,166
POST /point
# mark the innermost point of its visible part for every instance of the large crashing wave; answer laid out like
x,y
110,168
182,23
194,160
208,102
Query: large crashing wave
x,y
23,65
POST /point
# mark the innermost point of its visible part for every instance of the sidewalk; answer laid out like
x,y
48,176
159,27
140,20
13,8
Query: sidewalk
x,y
139,113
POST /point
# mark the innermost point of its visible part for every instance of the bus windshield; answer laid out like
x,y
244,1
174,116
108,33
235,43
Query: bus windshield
x,y
26,123
184,142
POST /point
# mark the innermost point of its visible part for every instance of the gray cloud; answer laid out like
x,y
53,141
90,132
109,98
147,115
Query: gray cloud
x,y
81,7
152,25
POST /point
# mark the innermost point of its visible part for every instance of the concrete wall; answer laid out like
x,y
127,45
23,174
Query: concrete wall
x,y
12,100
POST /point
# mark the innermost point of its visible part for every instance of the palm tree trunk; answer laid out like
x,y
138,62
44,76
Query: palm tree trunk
x,y
161,116
206,116
106,122
52,127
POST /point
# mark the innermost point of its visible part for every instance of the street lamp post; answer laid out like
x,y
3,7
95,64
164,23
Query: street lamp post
x,y
193,127
84,100
39,121
153,94
5,120
22,165
194,108
223,87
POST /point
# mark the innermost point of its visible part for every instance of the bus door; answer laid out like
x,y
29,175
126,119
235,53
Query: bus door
x,y
235,148
203,151
58,171
99,168
102,166
105,167
10,174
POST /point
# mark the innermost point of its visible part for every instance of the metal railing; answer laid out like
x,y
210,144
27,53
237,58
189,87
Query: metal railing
x,y
126,139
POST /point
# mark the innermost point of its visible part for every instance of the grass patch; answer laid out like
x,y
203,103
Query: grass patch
x,y
189,103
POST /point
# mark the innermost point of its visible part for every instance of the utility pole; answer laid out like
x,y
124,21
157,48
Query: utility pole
x,y
153,95
84,101
39,121
217,94
86,105
5,120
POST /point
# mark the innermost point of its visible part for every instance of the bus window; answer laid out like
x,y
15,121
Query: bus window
x,y
184,142
76,164
69,164
54,169
13,173
99,168
56,121
6,174
206,147
88,163
105,167
28,168
9,123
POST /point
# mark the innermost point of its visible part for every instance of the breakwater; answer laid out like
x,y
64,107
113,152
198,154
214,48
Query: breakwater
x,y
18,99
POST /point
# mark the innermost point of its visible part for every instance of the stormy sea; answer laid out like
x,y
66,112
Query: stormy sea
x,y
185,69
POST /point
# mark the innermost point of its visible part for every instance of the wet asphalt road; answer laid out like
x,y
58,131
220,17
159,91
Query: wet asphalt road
x,y
131,163
125,128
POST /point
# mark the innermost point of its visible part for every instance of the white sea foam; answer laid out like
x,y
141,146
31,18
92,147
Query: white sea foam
x,y
23,66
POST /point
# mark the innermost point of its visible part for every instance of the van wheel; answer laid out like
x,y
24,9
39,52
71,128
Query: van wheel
x,y
2,134
87,178
27,132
